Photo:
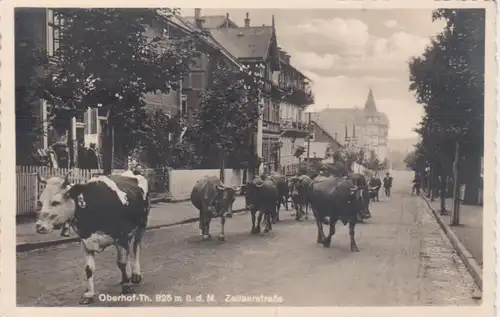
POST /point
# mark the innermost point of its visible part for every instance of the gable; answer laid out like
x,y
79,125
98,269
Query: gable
x,y
245,43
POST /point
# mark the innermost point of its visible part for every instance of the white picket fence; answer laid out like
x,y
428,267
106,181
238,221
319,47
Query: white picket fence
x,y
179,183
28,187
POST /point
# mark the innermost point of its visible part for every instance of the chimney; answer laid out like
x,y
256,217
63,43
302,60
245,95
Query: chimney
x,y
287,58
197,17
227,20
247,21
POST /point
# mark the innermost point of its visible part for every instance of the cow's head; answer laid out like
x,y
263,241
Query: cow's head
x,y
356,195
251,188
226,196
56,206
294,185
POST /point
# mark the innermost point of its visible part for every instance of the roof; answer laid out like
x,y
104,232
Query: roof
x,y
190,27
317,150
370,102
246,42
212,21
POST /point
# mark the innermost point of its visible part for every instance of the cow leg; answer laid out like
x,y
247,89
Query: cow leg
x,y
222,235
254,228
306,216
328,240
298,212
121,261
206,231
88,296
321,233
136,277
259,220
267,219
352,225
276,213
285,202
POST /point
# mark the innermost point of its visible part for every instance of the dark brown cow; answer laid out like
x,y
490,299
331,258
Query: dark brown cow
x,y
334,199
213,199
261,195
298,191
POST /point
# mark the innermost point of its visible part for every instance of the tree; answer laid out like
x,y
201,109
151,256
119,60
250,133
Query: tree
x,y
448,79
299,151
227,117
28,67
162,145
348,155
373,162
105,59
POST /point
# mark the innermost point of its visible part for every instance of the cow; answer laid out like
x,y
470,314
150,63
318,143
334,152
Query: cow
x,y
283,192
213,199
298,191
261,195
106,210
360,181
374,187
334,199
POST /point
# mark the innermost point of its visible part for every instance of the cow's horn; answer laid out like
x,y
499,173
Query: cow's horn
x,y
259,185
237,188
220,186
40,178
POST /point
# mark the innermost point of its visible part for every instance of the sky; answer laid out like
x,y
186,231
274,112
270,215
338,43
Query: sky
x,y
346,52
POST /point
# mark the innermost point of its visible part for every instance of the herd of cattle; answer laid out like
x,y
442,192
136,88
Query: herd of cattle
x,y
113,210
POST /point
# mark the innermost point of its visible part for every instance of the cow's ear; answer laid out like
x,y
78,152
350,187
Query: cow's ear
x,y
74,191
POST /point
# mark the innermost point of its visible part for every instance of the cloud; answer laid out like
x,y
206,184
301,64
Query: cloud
x,y
345,60
358,55
391,24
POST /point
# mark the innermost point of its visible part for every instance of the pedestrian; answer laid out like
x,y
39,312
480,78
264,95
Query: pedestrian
x,y
416,185
92,158
387,185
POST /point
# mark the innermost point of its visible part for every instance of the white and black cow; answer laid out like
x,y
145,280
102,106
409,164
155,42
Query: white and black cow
x,y
105,211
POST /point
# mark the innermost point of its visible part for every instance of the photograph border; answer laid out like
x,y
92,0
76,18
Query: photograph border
x,y
7,170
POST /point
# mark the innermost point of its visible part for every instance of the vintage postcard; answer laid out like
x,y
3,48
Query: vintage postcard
x,y
333,157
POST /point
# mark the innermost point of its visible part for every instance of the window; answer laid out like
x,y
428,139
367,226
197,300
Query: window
x,y
53,32
90,121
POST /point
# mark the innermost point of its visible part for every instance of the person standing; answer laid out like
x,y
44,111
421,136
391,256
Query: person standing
x,y
387,185
416,185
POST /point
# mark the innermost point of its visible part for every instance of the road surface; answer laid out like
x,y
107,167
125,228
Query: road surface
x,y
404,259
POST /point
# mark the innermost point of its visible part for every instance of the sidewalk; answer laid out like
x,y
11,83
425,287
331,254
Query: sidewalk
x,y
161,215
467,237
470,231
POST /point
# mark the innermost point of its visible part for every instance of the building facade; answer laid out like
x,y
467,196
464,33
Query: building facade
x,y
283,126
256,47
294,122
365,129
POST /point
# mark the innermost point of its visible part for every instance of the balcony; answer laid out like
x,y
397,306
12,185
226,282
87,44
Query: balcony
x,y
297,96
294,128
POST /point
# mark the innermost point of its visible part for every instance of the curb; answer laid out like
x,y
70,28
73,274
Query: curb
x,y
469,261
30,246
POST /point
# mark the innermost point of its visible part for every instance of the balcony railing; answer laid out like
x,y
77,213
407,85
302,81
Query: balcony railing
x,y
293,125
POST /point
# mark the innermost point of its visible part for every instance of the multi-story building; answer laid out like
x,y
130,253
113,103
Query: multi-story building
x,y
365,129
255,46
283,126
294,122
40,26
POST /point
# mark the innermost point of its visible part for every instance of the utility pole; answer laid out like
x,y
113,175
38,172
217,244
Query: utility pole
x,y
309,136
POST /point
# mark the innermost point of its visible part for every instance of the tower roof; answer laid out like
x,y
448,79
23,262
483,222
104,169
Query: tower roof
x,y
370,102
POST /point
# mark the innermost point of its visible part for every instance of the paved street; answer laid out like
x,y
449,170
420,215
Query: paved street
x,y
161,214
404,259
